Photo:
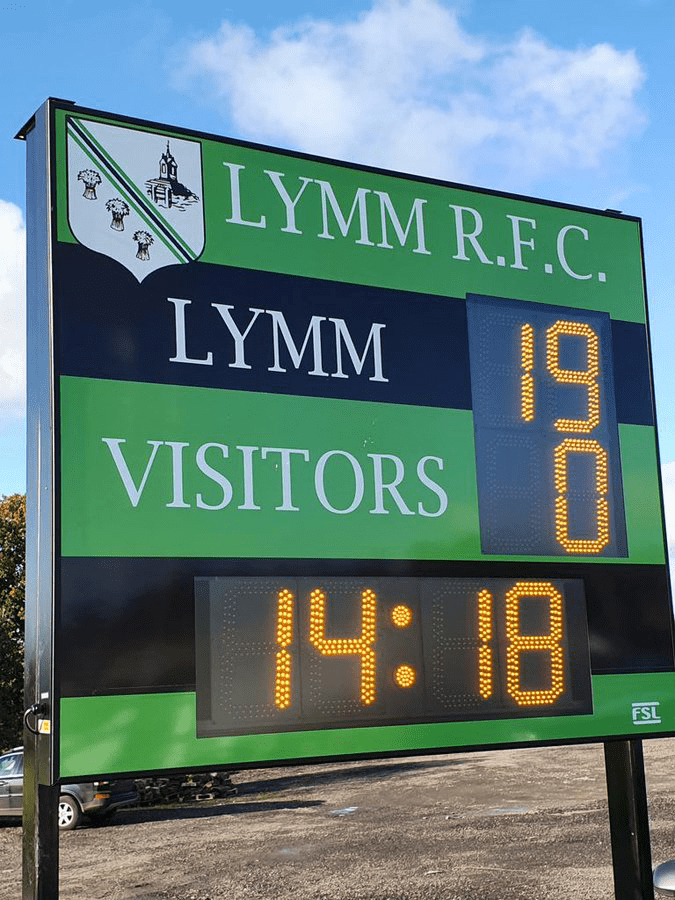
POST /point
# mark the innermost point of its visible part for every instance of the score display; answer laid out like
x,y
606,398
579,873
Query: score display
x,y
546,430
334,462
277,654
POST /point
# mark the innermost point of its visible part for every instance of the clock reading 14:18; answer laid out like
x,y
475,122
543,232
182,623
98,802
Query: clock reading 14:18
x,y
285,654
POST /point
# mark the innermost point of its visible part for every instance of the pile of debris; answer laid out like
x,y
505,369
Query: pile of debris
x,y
184,788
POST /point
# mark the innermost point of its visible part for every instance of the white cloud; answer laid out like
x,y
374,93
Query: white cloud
x,y
12,312
403,85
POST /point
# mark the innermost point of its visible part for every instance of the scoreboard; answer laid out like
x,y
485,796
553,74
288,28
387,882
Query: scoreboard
x,y
343,462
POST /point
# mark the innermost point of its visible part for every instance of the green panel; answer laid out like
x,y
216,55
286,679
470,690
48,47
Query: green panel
x,y
98,518
642,492
602,253
613,245
146,732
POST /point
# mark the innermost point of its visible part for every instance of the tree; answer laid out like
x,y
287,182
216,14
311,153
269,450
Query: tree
x,y
12,604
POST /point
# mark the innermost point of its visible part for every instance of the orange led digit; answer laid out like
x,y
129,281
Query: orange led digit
x,y
361,646
523,643
587,377
527,378
282,674
485,665
581,545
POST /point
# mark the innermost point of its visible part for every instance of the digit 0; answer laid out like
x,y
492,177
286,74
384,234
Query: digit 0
x,y
519,643
562,451
360,646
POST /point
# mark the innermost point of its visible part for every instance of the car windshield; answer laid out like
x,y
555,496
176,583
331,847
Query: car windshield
x,y
8,764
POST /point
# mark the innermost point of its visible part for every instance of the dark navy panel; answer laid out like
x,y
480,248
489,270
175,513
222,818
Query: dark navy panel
x,y
632,383
110,326
142,611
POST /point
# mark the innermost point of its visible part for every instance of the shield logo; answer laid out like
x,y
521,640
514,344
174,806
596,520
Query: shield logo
x,y
135,195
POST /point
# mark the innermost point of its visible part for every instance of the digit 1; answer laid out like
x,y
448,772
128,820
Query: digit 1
x,y
360,646
545,643
485,669
527,378
282,674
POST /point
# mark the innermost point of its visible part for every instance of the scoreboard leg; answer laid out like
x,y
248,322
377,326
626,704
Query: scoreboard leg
x,y
628,820
41,843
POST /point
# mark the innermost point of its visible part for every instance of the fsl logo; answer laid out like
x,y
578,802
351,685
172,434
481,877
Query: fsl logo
x,y
646,713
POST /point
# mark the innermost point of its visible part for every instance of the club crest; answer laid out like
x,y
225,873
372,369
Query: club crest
x,y
134,195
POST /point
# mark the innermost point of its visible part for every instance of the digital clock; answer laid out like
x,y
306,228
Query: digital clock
x,y
277,654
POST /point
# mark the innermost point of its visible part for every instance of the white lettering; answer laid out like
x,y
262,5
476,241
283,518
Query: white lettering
x,y
562,234
288,201
285,453
433,486
391,486
472,236
214,475
249,501
518,242
134,493
416,213
236,217
177,448
313,331
239,338
181,350
321,489
328,196
342,334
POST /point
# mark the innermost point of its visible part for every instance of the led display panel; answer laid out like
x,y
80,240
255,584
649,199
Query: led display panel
x,y
546,430
287,654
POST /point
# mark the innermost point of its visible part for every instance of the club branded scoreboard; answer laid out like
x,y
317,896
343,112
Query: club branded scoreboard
x,y
329,461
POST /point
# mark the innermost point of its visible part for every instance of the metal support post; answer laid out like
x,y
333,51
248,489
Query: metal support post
x,y
629,820
40,840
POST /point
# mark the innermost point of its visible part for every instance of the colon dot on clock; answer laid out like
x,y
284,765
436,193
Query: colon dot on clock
x,y
405,676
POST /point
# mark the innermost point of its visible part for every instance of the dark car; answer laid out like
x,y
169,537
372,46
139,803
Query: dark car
x,y
96,799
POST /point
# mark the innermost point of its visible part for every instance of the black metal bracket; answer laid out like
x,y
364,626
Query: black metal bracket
x,y
34,711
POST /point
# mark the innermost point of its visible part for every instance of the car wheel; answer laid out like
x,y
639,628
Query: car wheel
x,y
69,813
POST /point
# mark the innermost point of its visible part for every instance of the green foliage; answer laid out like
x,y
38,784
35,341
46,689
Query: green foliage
x,y
12,604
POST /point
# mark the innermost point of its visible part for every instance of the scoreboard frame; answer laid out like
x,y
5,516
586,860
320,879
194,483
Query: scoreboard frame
x,y
339,462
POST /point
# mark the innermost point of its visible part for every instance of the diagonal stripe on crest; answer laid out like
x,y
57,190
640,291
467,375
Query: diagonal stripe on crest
x,y
131,192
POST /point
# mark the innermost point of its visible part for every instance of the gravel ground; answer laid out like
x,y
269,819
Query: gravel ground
x,y
507,825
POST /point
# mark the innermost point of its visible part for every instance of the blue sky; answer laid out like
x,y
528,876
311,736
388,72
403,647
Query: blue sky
x,y
570,102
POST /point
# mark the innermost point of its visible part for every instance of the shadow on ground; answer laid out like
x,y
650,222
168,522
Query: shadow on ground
x,y
335,775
